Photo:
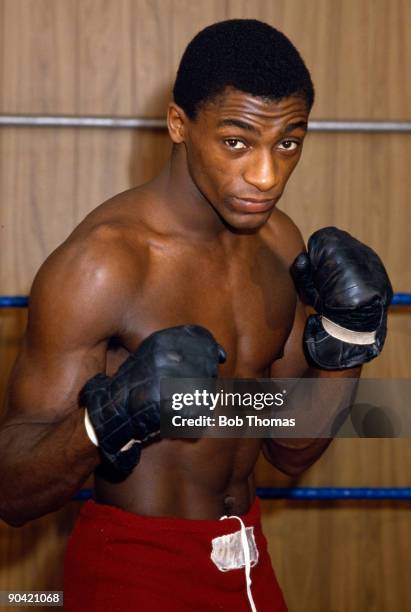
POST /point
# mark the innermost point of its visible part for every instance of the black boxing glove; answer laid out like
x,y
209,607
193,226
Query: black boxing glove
x,y
347,284
123,411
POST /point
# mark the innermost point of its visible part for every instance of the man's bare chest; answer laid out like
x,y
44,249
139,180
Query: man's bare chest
x,y
247,303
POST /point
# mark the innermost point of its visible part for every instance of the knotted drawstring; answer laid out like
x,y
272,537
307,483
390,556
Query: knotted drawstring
x,y
247,562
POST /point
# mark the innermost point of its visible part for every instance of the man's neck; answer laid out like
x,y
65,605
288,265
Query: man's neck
x,y
190,210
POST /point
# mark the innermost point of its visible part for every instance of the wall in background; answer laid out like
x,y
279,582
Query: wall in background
x,y
118,57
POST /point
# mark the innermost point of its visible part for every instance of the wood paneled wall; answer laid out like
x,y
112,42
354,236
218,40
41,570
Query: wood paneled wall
x,y
118,57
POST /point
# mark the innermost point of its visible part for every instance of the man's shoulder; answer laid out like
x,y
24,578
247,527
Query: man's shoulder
x,y
97,260
113,235
283,236
123,217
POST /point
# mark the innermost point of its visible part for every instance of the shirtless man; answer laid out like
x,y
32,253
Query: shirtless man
x,y
201,249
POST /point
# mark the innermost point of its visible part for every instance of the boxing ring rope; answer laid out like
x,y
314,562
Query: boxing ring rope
x,y
335,493
161,124
312,493
21,301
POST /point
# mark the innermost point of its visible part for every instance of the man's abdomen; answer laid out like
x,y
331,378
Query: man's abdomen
x,y
193,479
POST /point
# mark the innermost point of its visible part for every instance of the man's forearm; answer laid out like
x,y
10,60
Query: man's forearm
x,y
42,465
294,455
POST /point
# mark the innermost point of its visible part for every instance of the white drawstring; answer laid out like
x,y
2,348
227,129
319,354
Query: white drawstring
x,y
247,562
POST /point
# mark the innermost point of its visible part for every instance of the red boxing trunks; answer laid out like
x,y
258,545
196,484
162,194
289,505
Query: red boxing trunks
x,y
118,561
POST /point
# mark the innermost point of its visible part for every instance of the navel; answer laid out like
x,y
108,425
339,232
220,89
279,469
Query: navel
x,y
229,503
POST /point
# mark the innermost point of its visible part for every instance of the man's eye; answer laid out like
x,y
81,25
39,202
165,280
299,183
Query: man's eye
x,y
289,145
235,143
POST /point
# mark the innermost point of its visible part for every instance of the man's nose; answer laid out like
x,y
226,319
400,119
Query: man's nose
x,y
261,171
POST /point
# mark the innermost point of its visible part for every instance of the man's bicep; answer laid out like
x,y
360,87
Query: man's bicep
x,y
293,364
71,317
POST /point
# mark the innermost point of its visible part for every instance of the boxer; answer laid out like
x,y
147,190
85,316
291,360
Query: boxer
x,y
194,274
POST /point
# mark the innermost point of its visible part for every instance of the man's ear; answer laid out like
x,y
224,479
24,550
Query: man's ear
x,y
176,121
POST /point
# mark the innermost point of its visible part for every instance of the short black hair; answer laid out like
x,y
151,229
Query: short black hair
x,y
245,54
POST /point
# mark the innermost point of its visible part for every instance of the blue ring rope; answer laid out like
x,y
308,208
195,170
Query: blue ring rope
x,y
401,299
13,301
312,493
330,493
21,301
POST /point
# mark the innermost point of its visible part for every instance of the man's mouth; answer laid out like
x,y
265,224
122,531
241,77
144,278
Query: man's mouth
x,y
253,205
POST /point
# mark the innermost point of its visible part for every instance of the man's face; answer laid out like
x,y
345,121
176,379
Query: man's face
x,y
241,151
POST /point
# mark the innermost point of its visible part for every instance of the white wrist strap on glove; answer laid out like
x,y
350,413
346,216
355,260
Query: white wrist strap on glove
x,y
90,429
92,434
347,335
